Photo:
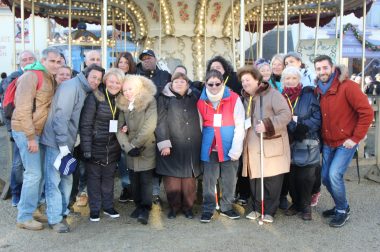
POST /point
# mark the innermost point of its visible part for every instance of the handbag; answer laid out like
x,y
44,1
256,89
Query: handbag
x,y
305,153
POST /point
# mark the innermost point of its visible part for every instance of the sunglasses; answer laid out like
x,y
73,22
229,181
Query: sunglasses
x,y
212,84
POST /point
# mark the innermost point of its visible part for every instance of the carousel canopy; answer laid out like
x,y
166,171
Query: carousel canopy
x,y
186,18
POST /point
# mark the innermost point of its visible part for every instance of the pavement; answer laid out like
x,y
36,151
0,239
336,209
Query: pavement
x,y
361,233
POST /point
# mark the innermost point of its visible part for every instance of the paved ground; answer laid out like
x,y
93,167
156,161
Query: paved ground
x,y
362,232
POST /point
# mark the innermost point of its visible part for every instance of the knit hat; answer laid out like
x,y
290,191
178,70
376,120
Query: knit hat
x,y
294,55
68,164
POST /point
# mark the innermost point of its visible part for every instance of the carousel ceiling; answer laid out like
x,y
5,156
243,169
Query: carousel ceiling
x,y
149,18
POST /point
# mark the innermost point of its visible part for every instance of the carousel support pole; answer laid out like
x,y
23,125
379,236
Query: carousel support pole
x,y
250,40
242,30
14,35
336,25
257,37
113,42
278,33
104,35
317,29
299,26
285,26
70,38
33,28
233,34
22,25
261,29
205,36
160,35
341,32
125,26
364,41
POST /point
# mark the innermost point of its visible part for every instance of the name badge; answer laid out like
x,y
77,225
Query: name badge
x,y
218,120
295,118
247,123
113,126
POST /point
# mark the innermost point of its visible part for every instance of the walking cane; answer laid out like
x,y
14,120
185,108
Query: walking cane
x,y
261,164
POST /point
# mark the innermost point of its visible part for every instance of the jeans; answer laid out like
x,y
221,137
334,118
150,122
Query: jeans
x,y
57,188
226,173
16,172
156,182
123,171
31,188
335,162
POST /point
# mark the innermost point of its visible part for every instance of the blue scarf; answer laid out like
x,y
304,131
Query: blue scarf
x,y
326,86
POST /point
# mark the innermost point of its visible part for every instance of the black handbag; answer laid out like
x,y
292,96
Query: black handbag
x,y
306,152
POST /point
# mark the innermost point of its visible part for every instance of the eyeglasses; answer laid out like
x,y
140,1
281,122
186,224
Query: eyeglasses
x,y
212,84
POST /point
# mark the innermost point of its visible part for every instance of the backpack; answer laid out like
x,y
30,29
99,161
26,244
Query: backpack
x,y
9,96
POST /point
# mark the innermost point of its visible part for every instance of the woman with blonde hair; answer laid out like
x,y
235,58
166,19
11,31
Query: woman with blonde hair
x,y
101,150
138,120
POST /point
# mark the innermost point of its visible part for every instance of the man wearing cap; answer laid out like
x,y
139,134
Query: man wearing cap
x,y
148,68
58,139
346,117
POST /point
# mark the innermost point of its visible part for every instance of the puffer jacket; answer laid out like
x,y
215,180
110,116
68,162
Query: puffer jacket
x,y
141,122
94,125
159,77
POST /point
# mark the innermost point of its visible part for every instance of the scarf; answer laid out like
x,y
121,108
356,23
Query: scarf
x,y
35,66
292,93
217,97
324,87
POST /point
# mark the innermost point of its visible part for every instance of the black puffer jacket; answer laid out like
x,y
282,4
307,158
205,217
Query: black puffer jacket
x,y
94,124
159,77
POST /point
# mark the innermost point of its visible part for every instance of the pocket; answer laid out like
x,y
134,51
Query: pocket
x,y
273,147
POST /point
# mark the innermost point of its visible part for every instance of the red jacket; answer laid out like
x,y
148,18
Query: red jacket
x,y
346,112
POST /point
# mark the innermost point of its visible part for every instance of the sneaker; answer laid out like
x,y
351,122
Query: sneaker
x,y
143,216
291,210
135,213
206,217
61,227
306,213
230,214
82,199
39,216
156,200
15,200
339,219
94,216
268,218
315,199
332,212
111,213
189,214
283,203
30,225
253,215
125,196
172,214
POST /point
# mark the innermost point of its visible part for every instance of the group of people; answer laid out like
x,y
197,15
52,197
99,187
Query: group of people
x,y
152,125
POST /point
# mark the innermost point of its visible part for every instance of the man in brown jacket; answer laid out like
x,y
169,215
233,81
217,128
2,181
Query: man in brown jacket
x,y
28,119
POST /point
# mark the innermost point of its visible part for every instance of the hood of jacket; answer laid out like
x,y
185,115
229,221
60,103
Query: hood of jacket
x,y
142,99
168,92
84,82
341,72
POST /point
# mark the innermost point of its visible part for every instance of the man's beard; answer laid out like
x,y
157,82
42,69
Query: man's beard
x,y
325,77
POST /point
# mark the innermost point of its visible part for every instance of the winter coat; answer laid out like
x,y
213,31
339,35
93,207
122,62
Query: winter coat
x,y
346,112
276,116
23,119
141,122
178,128
94,125
159,77
308,113
62,125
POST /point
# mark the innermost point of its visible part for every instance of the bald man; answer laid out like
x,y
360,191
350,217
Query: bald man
x,y
93,57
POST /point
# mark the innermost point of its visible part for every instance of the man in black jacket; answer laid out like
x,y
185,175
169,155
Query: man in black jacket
x,y
148,68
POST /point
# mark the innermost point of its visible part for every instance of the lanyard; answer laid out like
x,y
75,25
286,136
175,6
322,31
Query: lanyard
x,y
249,106
290,103
226,80
113,110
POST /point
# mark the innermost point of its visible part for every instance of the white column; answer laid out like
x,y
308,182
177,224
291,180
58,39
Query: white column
x,y
285,26
261,29
33,28
317,28
364,39
341,32
242,30
22,25
70,38
104,35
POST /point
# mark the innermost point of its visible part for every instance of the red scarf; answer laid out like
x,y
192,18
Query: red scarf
x,y
292,93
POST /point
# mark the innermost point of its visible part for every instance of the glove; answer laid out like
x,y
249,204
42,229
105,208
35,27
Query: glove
x,y
135,152
87,155
64,150
300,132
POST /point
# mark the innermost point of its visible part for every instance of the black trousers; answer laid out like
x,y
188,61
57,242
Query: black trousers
x,y
142,188
285,186
318,180
272,191
242,184
100,185
301,182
